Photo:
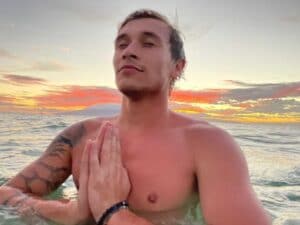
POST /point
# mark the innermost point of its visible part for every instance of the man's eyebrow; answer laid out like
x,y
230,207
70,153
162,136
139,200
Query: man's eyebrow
x,y
144,34
151,35
120,37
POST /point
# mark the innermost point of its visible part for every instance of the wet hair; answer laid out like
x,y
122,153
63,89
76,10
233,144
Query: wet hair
x,y
175,40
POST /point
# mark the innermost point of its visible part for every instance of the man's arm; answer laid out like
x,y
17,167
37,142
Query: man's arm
x,y
42,177
47,172
126,217
226,194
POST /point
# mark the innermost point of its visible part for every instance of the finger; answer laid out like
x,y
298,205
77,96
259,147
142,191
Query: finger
x,y
100,135
84,177
102,129
84,169
116,148
106,147
94,164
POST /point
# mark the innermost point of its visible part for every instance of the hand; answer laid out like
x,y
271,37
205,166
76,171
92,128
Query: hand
x,y
79,209
108,180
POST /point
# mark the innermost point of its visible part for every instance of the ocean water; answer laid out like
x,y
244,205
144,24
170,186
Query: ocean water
x,y
272,152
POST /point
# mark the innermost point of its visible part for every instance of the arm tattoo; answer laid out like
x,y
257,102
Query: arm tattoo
x,y
56,174
49,184
46,174
54,167
59,147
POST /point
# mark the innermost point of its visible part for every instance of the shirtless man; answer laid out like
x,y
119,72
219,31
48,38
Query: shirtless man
x,y
161,162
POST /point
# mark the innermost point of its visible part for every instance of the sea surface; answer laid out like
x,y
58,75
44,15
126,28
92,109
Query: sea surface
x,y
272,152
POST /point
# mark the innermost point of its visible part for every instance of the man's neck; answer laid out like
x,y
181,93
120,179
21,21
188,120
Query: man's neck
x,y
149,113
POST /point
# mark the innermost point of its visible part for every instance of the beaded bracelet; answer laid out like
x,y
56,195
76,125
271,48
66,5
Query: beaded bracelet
x,y
108,213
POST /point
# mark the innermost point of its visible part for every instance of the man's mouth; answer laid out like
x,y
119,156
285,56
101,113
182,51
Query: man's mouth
x,y
131,67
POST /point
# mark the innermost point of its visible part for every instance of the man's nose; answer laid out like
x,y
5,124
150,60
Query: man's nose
x,y
130,51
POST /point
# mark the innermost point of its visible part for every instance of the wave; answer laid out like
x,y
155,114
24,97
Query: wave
x,y
265,140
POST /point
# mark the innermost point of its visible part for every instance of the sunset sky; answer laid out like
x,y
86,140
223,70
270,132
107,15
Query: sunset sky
x,y
243,56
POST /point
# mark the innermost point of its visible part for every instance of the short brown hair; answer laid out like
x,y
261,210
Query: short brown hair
x,y
175,40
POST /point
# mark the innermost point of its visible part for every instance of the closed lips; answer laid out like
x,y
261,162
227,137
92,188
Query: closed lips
x,y
131,67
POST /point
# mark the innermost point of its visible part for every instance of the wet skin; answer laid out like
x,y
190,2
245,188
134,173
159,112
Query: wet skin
x,y
159,163
160,167
171,167
170,170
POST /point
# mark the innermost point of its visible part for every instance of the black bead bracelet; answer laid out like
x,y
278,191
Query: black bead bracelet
x,y
108,213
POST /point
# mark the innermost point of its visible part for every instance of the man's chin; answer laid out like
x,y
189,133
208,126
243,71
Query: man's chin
x,y
136,94
132,93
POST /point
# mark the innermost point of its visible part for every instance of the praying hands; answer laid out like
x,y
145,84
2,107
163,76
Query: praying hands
x,y
103,179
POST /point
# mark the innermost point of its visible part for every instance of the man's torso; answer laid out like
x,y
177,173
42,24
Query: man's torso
x,y
160,166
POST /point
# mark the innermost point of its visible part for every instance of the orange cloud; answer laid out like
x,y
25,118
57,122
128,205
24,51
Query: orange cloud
x,y
5,99
189,109
207,96
21,79
77,97
293,90
229,105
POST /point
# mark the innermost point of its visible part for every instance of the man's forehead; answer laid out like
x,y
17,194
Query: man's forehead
x,y
145,25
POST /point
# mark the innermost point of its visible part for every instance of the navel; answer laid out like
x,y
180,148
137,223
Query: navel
x,y
152,198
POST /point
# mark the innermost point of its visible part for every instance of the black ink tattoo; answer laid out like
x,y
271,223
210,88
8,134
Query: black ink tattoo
x,y
65,140
57,176
59,147
54,167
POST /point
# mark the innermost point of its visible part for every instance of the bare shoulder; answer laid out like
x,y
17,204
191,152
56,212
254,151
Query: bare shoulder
x,y
210,145
199,130
77,131
208,137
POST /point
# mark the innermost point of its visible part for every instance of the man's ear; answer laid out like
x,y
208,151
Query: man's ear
x,y
178,68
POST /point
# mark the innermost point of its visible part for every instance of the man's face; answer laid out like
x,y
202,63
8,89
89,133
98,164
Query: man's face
x,y
142,59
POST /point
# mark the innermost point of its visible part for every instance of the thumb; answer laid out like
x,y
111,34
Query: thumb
x,y
83,178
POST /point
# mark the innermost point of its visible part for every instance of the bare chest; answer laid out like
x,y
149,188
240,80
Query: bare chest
x,y
160,171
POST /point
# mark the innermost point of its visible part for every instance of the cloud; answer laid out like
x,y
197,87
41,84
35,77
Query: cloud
x,y
288,90
253,102
49,66
183,107
5,54
275,106
275,100
77,97
261,91
5,99
245,84
8,104
22,80
205,96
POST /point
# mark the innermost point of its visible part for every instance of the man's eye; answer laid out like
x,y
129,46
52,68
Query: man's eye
x,y
122,45
148,44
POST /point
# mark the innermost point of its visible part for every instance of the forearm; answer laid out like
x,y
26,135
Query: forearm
x,y
126,217
29,206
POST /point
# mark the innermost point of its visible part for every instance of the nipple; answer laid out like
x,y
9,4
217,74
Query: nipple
x,y
152,198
